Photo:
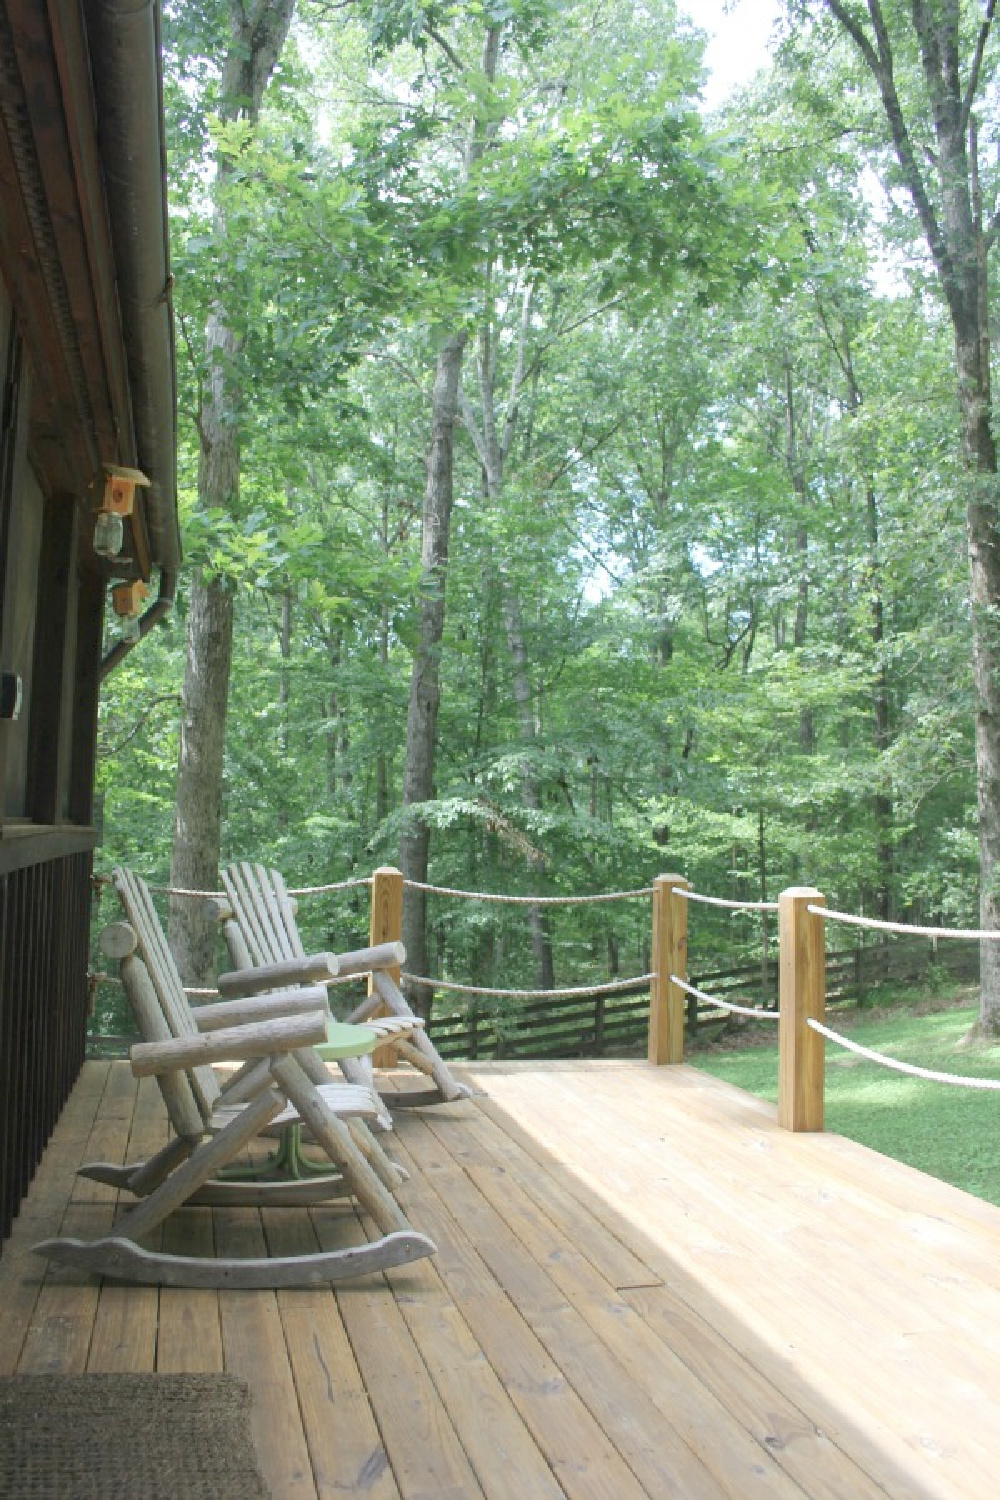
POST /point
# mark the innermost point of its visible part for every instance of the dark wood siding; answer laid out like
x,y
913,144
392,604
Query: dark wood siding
x,y
44,920
51,614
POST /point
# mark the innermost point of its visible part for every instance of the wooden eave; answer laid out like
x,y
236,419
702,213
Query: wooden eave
x,y
56,249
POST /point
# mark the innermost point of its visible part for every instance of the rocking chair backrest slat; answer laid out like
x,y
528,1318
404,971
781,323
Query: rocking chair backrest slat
x,y
264,912
286,910
262,950
159,961
275,904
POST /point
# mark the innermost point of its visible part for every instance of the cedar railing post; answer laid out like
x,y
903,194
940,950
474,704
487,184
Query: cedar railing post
x,y
668,956
803,996
385,925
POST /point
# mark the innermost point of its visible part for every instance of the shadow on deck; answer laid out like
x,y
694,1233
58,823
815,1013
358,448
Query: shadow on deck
x,y
642,1287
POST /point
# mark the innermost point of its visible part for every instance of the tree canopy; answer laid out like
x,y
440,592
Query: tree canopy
x,y
692,561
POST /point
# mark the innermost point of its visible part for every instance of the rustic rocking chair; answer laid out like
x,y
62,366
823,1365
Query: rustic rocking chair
x,y
272,1036
259,922
168,1003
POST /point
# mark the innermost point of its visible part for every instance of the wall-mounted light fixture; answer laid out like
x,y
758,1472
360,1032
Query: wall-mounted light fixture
x,y
116,501
127,598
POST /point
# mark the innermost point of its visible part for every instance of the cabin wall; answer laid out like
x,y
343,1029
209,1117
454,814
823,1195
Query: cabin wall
x,y
51,620
44,920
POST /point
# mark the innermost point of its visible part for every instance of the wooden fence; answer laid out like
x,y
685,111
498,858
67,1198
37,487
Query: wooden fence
x,y
609,1024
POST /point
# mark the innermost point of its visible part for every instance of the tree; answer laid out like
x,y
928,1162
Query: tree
x,y
254,44
930,68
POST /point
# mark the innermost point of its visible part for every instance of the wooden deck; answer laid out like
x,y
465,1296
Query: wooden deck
x,y
642,1287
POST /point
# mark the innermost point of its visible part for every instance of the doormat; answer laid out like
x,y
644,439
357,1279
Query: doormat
x,y
127,1437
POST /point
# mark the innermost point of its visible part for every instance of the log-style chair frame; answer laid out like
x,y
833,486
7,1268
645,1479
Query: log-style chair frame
x,y
272,1036
261,932
158,998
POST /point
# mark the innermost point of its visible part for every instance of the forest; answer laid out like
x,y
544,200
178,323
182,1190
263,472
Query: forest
x,y
577,483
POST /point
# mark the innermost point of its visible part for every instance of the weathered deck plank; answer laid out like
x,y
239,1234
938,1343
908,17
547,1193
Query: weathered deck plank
x,y
642,1287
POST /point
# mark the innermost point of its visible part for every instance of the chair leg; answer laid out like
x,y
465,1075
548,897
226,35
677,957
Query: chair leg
x,y
335,1138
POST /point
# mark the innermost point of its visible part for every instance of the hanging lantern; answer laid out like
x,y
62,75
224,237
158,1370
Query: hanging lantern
x,y
127,598
116,502
109,534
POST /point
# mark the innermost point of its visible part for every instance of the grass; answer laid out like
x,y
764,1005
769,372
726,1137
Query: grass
x,y
950,1133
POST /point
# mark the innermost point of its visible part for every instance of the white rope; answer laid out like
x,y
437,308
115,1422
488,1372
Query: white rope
x,y
619,987
340,885
416,885
444,890
717,1004
972,934
305,890
178,890
330,982
680,890
959,1080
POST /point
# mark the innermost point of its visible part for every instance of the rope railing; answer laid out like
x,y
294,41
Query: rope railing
x,y
336,885
956,1080
330,982
688,895
187,895
500,899
803,982
905,929
497,897
303,890
717,1004
616,987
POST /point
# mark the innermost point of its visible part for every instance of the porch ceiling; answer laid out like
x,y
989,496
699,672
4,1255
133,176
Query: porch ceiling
x,y
70,251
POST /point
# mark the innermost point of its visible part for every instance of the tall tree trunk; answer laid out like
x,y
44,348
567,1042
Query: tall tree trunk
x,y
972,356
494,439
882,801
194,863
953,230
882,808
255,43
333,715
984,575
381,757
284,686
425,682
541,936
807,735
765,956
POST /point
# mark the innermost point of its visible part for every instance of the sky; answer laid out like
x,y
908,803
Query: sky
x,y
740,31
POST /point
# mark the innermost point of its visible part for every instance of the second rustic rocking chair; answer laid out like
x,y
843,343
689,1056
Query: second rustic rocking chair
x,y
262,933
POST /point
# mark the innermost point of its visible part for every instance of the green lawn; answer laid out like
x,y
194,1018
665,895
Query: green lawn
x,y
951,1133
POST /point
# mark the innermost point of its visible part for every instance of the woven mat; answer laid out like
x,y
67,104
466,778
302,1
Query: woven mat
x,y
127,1437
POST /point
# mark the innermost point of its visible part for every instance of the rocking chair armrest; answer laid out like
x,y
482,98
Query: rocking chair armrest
x,y
316,967
232,1044
366,960
319,967
293,1002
